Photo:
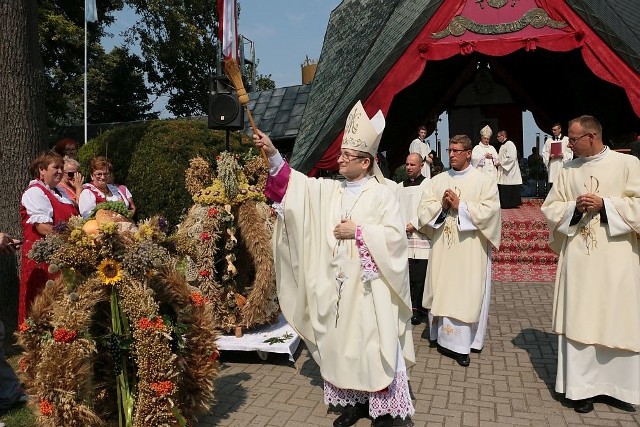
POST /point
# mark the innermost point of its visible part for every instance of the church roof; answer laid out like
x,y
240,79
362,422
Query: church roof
x,y
278,112
363,42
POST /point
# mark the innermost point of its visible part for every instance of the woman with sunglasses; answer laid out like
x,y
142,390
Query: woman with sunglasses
x,y
72,179
43,205
101,189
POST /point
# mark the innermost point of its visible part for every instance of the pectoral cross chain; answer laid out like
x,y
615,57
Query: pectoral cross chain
x,y
340,279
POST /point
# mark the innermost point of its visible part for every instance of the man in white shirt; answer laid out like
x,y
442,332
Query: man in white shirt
x,y
409,193
509,178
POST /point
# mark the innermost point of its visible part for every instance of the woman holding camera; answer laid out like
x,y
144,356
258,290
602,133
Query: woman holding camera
x,y
72,179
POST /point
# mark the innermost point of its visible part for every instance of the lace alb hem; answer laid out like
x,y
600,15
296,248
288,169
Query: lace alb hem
x,y
394,400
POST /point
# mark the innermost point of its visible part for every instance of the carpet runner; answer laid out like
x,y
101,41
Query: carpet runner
x,y
524,254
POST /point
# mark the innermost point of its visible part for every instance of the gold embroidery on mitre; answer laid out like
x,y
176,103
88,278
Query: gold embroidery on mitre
x,y
362,133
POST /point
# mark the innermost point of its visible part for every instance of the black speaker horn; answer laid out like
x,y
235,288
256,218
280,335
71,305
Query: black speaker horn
x,y
225,111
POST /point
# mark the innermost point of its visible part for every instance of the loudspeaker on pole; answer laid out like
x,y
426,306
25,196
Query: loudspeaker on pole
x,y
225,110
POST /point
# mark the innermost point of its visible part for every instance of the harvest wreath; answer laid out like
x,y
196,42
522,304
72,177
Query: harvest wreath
x,y
226,239
120,323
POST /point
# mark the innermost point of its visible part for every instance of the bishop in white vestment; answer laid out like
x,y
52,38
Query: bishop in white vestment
x,y
483,156
340,250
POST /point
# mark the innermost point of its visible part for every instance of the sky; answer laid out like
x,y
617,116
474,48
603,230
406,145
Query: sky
x,y
286,32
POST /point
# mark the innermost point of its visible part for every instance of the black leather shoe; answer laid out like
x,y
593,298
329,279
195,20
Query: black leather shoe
x,y
463,360
415,319
382,421
351,415
583,406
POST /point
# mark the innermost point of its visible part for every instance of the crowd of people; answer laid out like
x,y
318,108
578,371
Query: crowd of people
x,y
56,192
357,263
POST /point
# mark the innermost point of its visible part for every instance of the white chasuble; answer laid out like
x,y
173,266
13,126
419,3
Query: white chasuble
x,y
351,327
457,272
597,287
483,164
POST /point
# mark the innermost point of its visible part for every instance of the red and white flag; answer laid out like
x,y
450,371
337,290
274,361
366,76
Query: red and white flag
x,y
228,14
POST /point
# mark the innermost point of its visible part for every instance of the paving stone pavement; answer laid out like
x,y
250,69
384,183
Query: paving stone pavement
x,y
511,383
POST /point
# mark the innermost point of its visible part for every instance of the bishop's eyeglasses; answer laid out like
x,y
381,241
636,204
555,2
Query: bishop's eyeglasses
x,y
349,157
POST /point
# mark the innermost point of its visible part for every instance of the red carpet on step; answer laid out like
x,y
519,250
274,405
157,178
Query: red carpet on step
x,y
524,254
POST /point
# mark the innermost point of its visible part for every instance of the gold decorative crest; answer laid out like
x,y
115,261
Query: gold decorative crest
x,y
537,18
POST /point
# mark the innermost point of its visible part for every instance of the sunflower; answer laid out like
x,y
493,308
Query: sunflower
x,y
110,272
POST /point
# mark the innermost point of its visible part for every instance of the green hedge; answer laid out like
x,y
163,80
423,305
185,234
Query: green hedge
x,y
150,158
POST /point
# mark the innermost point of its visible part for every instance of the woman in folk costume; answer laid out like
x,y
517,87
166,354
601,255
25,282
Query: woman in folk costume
x,y
43,205
484,157
101,189
341,269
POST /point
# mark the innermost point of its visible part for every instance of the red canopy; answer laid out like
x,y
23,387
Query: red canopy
x,y
461,27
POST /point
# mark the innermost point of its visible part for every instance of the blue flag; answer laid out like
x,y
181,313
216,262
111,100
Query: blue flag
x,y
90,11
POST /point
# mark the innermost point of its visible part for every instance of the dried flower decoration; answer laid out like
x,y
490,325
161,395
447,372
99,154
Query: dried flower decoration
x,y
198,300
146,323
46,408
109,271
162,387
64,335
24,326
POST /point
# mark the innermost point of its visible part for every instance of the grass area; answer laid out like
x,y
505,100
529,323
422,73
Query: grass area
x,y
19,416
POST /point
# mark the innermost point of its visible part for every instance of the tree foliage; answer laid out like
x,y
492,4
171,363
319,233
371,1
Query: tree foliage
x,y
61,32
265,82
177,41
119,93
116,86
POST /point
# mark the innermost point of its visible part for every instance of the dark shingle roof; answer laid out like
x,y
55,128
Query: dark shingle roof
x,y
278,112
617,22
362,42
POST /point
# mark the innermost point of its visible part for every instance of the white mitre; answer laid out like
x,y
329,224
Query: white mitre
x,y
364,134
486,131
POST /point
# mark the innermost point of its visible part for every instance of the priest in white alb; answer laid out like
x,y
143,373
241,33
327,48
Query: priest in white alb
x,y
340,251
461,212
593,212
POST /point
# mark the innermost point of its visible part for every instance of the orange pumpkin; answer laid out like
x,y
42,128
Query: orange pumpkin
x,y
91,227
